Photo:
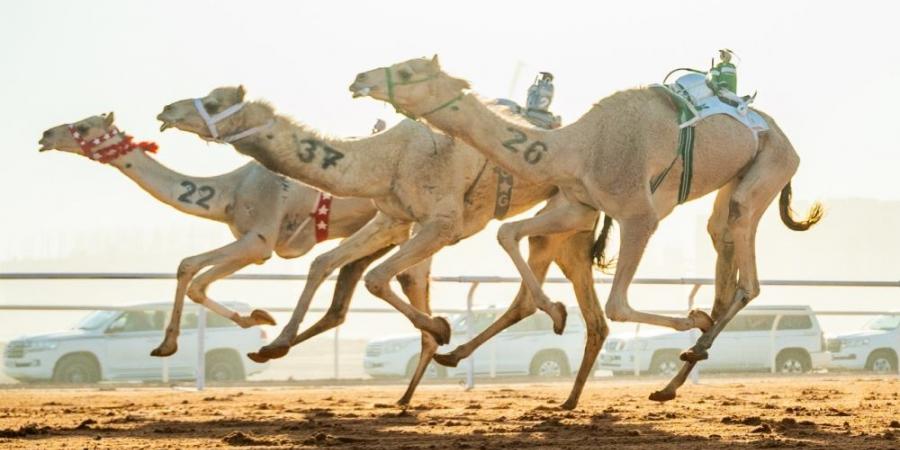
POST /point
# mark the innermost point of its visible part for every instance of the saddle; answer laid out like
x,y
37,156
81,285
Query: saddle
x,y
696,101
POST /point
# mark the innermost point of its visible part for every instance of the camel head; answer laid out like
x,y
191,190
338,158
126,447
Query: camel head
x,y
415,87
185,115
61,137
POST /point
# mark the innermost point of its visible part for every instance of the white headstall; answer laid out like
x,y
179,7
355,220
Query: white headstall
x,y
212,120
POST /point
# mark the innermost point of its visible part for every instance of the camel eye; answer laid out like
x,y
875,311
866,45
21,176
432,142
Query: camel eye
x,y
82,129
405,75
211,107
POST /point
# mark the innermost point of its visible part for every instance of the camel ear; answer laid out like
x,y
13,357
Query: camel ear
x,y
241,92
108,119
435,62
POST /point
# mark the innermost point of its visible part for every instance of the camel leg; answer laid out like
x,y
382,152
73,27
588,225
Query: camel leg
x,y
635,232
382,231
433,236
541,250
230,258
415,285
348,277
572,217
723,242
748,202
574,258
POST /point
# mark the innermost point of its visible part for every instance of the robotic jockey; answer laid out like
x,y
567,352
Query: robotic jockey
x,y
722,79
537,105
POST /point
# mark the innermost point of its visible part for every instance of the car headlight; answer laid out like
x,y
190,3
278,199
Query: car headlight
x,y
394,347
39,346
636,346
858,342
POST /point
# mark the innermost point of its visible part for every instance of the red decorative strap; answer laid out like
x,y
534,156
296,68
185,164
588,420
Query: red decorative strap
x,y
107,154
321,215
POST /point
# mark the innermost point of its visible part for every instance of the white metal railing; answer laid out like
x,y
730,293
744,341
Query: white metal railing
x,y
474,282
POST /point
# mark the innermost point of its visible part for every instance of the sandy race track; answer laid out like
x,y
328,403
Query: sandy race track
x,y
842,412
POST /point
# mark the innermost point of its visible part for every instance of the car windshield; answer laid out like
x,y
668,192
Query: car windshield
x,y
95,320
884,323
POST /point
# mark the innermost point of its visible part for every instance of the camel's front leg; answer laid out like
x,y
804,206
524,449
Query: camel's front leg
x,y
226,260
382,231
572,217
348,277
433,236
541,250
635,232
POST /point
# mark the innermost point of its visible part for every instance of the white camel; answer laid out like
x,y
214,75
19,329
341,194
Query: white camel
x,y
606,160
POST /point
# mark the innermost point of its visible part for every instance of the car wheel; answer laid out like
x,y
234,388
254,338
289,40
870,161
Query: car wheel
x,y
792,363
77,369
882,361
432,371
549,365
665,363
223,367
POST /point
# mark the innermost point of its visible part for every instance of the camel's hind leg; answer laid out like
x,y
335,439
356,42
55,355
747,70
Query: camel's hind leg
x,y
769,173
415,285
226,260
574,258
572,217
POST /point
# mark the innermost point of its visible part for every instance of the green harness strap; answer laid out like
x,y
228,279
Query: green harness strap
x,y
685,151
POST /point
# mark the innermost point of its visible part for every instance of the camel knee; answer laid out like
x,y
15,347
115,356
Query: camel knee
x,y
377,282
197,292
617,312
507,235
189,267
320,267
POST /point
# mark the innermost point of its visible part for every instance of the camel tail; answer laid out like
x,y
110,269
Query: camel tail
x,y
598,250
787,214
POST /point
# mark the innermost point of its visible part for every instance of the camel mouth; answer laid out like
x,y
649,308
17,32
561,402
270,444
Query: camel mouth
x,y
165,125
360,91
44,146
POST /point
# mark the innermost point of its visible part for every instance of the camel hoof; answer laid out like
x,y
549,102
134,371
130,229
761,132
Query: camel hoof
x,y
700,320
443,335
162,351
569,405
274,351
448,360
559,325
694,355
662,396
262,318
257,358
403,402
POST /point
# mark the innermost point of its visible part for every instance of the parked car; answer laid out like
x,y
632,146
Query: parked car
x,y
875,348
528,347
789,333
115,345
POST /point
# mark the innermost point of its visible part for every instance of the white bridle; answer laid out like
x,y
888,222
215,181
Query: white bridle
x,y
212,120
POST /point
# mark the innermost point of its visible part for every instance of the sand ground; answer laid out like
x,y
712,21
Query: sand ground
x,y
840,412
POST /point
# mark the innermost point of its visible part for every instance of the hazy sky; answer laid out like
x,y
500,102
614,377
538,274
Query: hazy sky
x,y
825,71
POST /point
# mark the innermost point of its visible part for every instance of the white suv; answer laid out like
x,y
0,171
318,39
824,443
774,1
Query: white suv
x,y
788,336
115,345
874,349
527,348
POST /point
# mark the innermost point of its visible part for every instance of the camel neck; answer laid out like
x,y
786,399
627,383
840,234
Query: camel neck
x,y
202,197
342,167
524,151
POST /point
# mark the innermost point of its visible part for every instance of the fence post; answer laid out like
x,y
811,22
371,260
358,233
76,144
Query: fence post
x,y
470,333
772,342
695,333
634,351
337,349
201,348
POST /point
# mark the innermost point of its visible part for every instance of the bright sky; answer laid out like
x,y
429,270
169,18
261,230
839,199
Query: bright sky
x,y
826,71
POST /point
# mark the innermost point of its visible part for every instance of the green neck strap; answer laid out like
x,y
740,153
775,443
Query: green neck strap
x,y
389,79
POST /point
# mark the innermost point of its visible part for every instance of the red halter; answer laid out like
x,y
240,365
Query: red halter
x,y
107,154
